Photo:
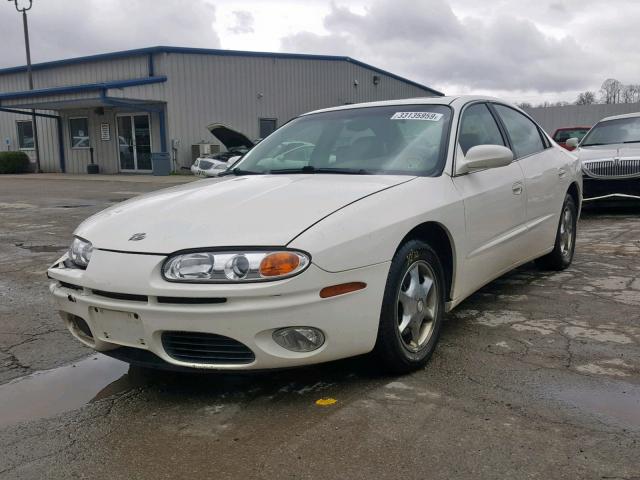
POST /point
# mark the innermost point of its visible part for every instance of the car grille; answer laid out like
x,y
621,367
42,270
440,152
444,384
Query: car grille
x,y
610,168
205,348
205,164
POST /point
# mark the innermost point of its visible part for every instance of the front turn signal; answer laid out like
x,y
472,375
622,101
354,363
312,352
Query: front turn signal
x,y
341,289
279,263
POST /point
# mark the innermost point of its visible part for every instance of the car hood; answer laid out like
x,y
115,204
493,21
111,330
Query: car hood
x,y
254,210
229,137
607,152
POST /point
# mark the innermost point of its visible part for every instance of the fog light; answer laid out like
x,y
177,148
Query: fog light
x,y
299,339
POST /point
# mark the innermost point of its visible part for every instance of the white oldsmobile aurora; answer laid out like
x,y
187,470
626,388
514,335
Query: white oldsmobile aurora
x,y
400,210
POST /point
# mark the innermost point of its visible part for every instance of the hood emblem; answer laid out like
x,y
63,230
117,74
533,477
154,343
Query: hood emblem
x,y
137,236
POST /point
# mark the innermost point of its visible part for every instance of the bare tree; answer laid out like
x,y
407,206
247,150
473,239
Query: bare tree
x,y
611,90
524,105
630,93
586,98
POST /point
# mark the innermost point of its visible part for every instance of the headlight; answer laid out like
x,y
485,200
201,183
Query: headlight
x,y
80,252
231,267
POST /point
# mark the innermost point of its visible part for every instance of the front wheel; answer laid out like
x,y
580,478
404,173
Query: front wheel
x,y
412,308
562,254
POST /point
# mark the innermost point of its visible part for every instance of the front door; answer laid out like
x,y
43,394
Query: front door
x,y
134,143
494,204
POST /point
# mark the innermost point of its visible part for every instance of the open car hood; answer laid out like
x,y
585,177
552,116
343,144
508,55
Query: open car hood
x,y
229,137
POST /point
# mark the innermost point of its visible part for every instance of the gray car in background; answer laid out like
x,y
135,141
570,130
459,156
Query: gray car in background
x,y
610,156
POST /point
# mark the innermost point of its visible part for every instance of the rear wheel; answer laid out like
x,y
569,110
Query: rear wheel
x,y
562,254
412,308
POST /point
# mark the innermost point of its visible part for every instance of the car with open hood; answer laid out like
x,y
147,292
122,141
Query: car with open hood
x,y
378,219
236,145
610,156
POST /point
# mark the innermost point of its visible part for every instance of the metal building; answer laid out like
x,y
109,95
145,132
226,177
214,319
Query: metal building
x,y
125,105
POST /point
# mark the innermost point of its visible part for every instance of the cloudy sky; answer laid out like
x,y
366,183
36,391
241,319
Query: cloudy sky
x,y
520,50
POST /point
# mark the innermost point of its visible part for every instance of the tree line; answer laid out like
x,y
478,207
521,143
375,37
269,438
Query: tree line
x,y
611,91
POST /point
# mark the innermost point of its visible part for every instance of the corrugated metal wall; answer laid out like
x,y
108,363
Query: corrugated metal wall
x,y
201,89
47,135
552,118
91,72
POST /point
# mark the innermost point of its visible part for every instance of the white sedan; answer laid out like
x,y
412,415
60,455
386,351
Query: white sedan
x,y
210,167
397,212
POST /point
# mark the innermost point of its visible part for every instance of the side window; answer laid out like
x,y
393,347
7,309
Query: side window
x,y
25,134
79,132
524,134
478,127
266,126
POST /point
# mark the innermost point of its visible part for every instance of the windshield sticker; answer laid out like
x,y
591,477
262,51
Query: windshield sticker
x,y
430,116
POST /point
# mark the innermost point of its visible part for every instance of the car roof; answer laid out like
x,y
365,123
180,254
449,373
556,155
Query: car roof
x,y
582,127
618,117
447,100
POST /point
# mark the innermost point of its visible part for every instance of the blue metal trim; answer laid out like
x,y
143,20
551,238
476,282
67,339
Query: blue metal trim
x,y
87,87
150,65
207,51
27,112
163,131
159,109
117,102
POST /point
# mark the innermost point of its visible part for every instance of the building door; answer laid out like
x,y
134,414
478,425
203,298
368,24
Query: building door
x,y
134,142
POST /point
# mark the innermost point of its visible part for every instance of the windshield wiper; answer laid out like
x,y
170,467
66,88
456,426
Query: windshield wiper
x,y
632,141
312,169
238,172
594,144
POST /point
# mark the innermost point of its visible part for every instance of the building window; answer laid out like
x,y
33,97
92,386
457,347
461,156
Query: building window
x,y
79,131
25,134
267,126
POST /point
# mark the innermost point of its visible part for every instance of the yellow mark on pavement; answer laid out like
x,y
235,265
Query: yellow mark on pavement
x,y
325,402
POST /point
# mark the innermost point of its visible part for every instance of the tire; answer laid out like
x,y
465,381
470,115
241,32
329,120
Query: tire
x,y
412,304
565,245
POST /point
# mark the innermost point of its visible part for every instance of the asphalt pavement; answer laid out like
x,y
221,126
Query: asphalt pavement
x,y
536,376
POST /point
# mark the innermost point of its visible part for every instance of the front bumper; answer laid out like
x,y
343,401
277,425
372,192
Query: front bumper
x,y
121,298
599,189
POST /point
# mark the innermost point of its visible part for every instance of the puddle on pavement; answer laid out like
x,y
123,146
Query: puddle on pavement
x,y
614,403
42,248
51,392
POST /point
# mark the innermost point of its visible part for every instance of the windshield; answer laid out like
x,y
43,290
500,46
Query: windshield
x,y
562,136
622,130
400,139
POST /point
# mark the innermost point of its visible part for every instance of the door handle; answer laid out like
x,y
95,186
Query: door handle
x,y
562,172
516,188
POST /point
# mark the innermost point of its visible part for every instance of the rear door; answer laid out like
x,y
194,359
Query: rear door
x,y
494,203
546,177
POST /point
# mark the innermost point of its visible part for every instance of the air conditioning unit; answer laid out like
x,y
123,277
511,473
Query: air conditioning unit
x,y
201,149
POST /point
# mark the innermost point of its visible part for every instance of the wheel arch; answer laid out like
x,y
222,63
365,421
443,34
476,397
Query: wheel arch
x,y
440,239
574,191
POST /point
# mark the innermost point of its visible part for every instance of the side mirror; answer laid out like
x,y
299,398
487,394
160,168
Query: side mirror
x,y
572,142
484,156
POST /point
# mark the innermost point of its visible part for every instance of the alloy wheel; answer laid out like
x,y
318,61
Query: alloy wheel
x,y
417,303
